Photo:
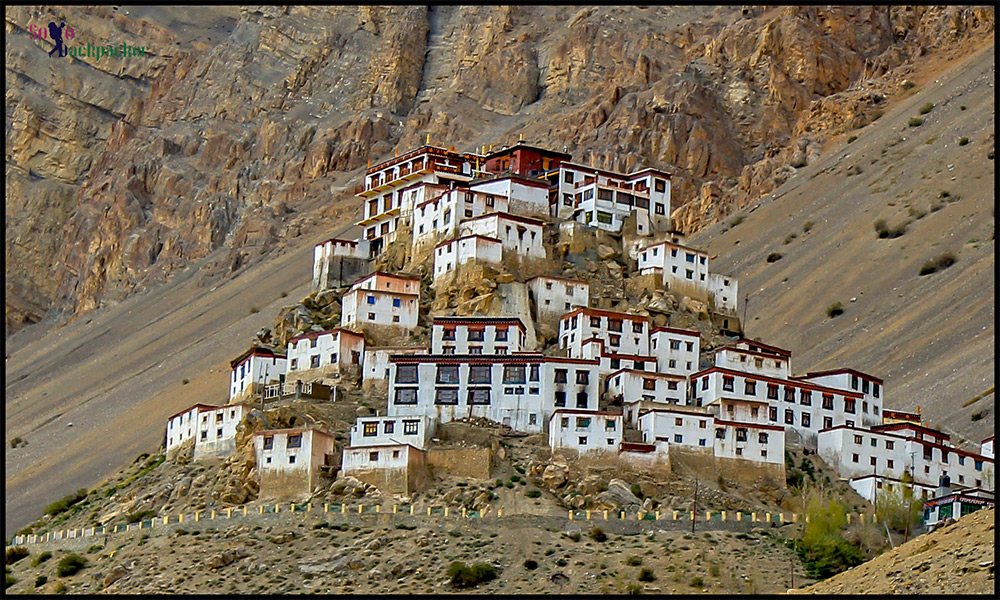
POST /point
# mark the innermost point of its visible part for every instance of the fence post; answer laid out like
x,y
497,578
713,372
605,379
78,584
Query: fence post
x,y
739,515
394,509
378,508
428,511
571,514
708,515
197,516
807,517
343,507
638,516
675,515
244,510
166,519
499,512
229,512
723,516
260,509
769,518
781,518
446,511
753,517
862,517
411,509
463,512
605,515
657,515
692,515
309,507
277,508
361,507
874,518
848,518
180,518
326,507
212,516
588,515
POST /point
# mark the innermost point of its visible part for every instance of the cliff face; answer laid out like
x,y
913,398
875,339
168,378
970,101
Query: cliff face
x,y
244,127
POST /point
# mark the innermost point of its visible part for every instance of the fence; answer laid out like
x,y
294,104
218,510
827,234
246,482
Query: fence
x,y
658,516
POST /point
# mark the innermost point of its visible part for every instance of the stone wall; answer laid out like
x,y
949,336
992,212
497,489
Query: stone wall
x,y
461,462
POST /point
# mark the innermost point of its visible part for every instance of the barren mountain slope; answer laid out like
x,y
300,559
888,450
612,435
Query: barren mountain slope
x,y
930,337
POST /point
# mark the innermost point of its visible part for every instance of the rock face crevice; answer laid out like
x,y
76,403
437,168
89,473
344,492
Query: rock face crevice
x,y
242,128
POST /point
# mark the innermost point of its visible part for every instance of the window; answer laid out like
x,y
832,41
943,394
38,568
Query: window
x,y
961,459
636,327
979,467
581,400
405,396
595,321
616,363
582,440
479,374
218,417
659,185
864,386
268,442
295,440
772,413
762,437
805,398
689,273
751,388
447,374
754,411
858,439
609,424
371,316
513,374
854,458
370,299
448,333
874,442
772,391
702,424
678,421
827,422
446,396
560,398
410,427
790,417
727,383
704,383
739,452
388,427
678,438
741,434
789,394
314,361
370,429
476,335
533,419
720,433
828,401
479,396
702,442
875,389
648,383
501,335
204,435
533,373
889,463
583,377
406,374
849,405
396,303
806,420
373,456
615,325
671,385
568,177
561,375
291,459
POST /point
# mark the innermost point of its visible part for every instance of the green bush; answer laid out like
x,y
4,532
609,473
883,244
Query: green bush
x,y
916,122
519,469
71,564
963,141
807,226
633,589
40,581
515,478
697,582
575,536
647,575
405,526
61,588
926,108
462,575
533,493
8,580
851,139
633,561
530,564
12,555
499,483
44,556
141,515
637,491
940,263
822,547
67,501
834,310
773,257
98,547
597,534
509,484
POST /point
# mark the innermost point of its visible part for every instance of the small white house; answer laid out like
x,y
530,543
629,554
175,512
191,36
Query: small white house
x,y
521,236
524,195
948,504
604,199
871,388
376,363
213,429
686,271
394,469
477,335
337,260
644,388
332,351
555,296
612,361
748,361
254,369
438,216
451,254
585,431
384,300
704,432
677,351
387,431
621,332
289,460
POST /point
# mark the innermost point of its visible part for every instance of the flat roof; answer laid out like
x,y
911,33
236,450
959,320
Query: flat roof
x,y
794,383
634,174
425,149
775,349
525,179
606,313
316,334
254,351
508,216
580,281
486,320
465,237
521,145
840,371
384,274
696,334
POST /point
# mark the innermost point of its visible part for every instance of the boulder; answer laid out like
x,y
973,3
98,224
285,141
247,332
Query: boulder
x,y
226,558
114,575
604,252
618,495
554,476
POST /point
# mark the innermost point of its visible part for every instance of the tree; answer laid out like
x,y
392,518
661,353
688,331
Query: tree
x,y
898,507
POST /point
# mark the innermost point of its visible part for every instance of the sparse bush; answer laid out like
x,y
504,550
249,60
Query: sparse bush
x,y
8,580
405,526
633,589
509,484
851,139
71,564
41,580
807,226
697,582
977,416
647,575
822,547
519,469
936,206
254,310
834,310
597,534
530,564
940,263
961,107
917,213
498,483
713,570
12,555
97,547
633,561
462,575
774,257
575,536
963,141
736,221
61,588
926,108
883,230
138,516
185,381
284,294
44,556
533,494
67,501
908,85
515,478
915,122
788,240
15,442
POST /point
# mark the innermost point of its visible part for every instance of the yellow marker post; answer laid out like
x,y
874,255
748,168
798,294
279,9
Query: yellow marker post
x,y
781,518
708,515
807,518
428,511
361,507
180,518
197,516
571,514
874,518
657,515
499,512
260,509
277,508
675,515
723,516
229,513
343,508
378,508
166,520
446,511
605,515
638,516
464,513
739,515
411,509
212,516
588,515
848,518
862,517
244,510
309,507
326,507
769,517
394,509
753,517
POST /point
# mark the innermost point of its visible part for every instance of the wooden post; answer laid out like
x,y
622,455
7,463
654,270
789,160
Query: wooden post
x,y
862,517
309,507
781,518
739,515
708,515
229,513
166,520
277,508
464,512
795,518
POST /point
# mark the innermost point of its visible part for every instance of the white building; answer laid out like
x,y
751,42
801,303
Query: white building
x,y
894,449
393,187
213,429
416,431
611,361
394,469
254,369
525,195
947,504
555,296
382,299
518,390
438,216
289,460
987,447
332,351
703,431
686,271
376,363
336,261
604,199
521,236
757,363
585,431
677,351
869,386
451,254
477,335
622,332
644,389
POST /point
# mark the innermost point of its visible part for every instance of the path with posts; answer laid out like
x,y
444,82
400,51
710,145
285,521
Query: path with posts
x,y
618,521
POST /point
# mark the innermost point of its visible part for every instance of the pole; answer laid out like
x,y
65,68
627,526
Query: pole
x,y
694,510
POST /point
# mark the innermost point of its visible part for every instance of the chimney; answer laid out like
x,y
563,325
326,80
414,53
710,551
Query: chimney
x,y
944,487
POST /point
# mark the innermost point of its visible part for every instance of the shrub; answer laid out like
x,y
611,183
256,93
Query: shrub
x,y
963,141
915,122
71,564
141,515
61,588
575,536
597,534
962,107
647,575
926,108
822,548
882,228
773,257
40,581
713,570
697,582
515,478
12,555
800,163
834,310
851,139
977,416
736,221
14,442
67,501
44,556
97,547
499,483
531,564
533,494
938,264
807,226
788,240
254,310
8,580
185,381
519,469
918,214
405,526
637,491
884,231
633,561
509,484
462,575
633,589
